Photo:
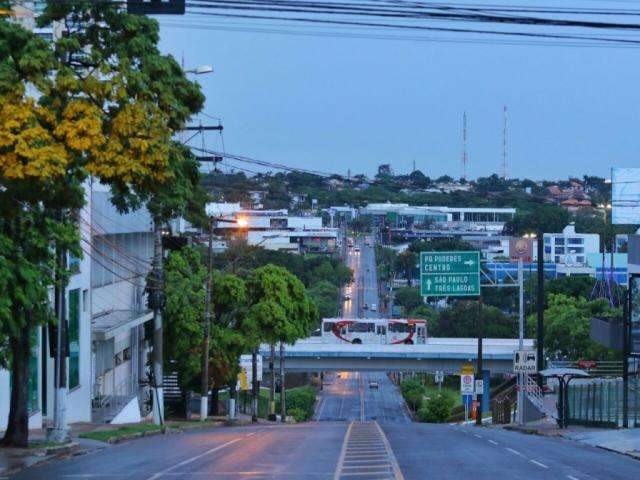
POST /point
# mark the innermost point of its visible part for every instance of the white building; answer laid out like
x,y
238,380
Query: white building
x,y
403,215
570,248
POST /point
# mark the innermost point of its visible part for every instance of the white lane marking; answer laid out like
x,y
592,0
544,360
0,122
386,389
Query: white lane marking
x,y
343,452
477,436
571,477
539,464
493,442
515,452
249,434
392,457
193,459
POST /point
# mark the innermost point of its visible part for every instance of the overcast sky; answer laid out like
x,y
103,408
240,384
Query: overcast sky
x,y
350,103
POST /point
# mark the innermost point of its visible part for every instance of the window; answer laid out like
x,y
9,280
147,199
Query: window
x,y
580,259
557,259
278,223
559,250
547,249
547,240
559,240
85,300
576,241
73,263
126,354
74,338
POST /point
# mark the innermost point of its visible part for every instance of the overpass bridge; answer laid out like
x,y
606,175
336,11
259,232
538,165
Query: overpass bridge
x,y
444,354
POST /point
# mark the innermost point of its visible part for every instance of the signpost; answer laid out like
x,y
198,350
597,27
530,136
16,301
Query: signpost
x,y
450,274
439,378
466,384
479,387
525,361
245,376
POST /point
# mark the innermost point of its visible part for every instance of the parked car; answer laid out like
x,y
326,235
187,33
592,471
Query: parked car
x,y
373,385
374,307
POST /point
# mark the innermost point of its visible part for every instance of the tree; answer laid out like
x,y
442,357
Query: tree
x,y
326,297
184,286
461,320
440,245
408,298
541,219
567,323
407,263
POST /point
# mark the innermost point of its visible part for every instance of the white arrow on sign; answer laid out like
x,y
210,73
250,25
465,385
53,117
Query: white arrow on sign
x,y
428,284
469,262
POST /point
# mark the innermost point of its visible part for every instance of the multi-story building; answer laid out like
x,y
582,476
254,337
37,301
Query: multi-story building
x,y
570,248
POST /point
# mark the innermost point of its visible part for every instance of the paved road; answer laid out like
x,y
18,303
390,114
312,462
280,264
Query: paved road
x,y
313,450
364,289
346,396
438,452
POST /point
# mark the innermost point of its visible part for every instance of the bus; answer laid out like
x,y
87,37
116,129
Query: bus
x,y
381,331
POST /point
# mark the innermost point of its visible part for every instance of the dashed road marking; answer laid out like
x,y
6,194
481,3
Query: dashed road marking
x,y
515,452
539,464
193,459
493,442
477,436
571,477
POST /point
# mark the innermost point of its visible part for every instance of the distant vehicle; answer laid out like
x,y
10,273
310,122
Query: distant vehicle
x,y
347,296
374,307
373,385
366,306
357,249
367,242
373,331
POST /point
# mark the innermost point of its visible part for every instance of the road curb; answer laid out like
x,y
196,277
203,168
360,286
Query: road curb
x,y
45,455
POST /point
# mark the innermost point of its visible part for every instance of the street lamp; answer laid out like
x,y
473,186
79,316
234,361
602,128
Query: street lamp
x,y
200,70
604,207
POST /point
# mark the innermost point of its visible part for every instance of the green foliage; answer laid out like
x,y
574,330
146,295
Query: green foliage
x,y
567,321
407,263
280,308
413,393
436,409
440,245
184,286
326,297
579,286
300,402
408,298
542,218
461,320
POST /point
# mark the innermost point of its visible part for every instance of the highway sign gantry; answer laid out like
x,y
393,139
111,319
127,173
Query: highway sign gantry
x,y
450,274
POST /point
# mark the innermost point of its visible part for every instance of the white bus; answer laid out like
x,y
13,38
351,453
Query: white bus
x,y
374,331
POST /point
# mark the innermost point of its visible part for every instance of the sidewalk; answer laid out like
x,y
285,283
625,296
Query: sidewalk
x,y
622,441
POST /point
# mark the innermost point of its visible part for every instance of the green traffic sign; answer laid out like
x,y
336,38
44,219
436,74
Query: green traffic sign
x,y
450,262
450,274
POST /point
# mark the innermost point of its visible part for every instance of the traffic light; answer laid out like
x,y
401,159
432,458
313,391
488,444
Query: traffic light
x,y
156,7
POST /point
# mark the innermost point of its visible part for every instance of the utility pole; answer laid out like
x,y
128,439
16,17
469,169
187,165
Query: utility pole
x,y
204,393
272,391
520,393
626,330
254,385
60,430
479,364
540,304
158,374
283,409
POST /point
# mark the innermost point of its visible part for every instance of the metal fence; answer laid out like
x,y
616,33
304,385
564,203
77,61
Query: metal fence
x,y
599,402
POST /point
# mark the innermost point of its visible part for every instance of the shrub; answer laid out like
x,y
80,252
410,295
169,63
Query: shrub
x,y
436,409
413,393
297,414
301,399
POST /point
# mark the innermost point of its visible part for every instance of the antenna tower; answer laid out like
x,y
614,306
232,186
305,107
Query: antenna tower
x,y
505,170
464,146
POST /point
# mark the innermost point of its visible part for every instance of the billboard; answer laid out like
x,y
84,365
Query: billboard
x,y
634,317
625,196
521,248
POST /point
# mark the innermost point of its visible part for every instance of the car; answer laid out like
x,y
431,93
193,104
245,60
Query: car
x,y
366,306
374,307
347,296
373,384
357,249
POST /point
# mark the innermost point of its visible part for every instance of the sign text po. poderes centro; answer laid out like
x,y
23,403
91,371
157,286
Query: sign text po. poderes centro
x,y
452,274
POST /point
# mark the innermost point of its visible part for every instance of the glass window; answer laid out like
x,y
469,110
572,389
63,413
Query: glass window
x,y
85,300
547,240
328,326
576,241
559,240
74,338
559,250
557,259
580,259
547,249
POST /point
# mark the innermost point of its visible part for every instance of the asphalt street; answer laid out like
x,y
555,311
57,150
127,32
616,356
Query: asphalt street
x,y
364,289
348,396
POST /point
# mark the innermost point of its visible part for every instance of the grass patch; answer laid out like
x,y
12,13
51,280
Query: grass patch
x,y
107,435
36,445
452,393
